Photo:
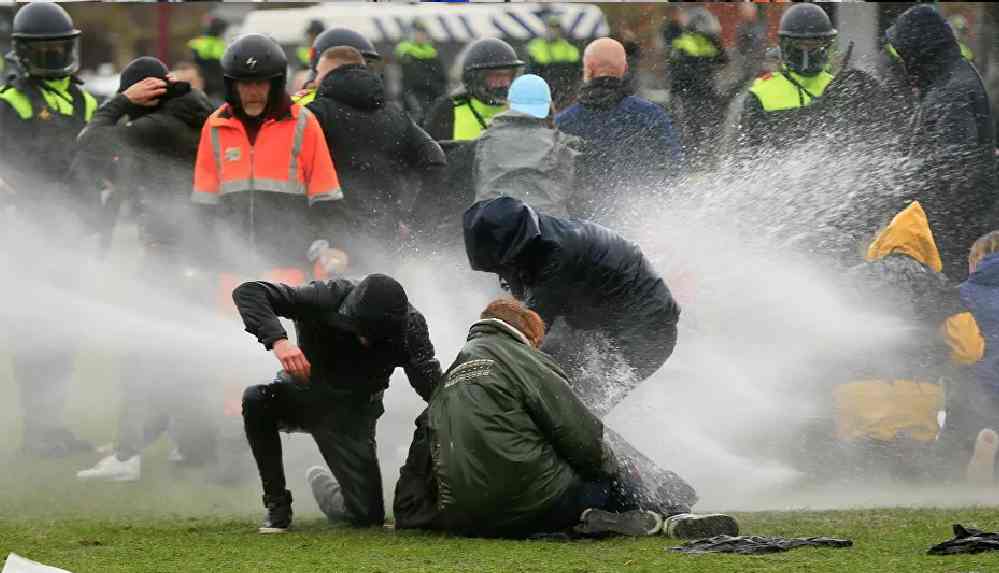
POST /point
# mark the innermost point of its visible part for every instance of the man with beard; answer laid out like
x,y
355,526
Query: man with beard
x,y
631,145
488,69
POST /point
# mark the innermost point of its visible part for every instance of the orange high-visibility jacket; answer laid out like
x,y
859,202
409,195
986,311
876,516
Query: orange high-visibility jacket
x,y
264,191
289,156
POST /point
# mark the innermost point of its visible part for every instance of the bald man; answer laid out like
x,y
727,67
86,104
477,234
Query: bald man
x,y
632,149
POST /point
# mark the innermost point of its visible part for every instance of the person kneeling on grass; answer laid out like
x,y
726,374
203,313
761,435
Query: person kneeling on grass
x,y
505,449
352,338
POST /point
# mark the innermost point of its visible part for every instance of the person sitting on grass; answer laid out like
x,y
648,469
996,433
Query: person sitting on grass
x,y
973,404
506,449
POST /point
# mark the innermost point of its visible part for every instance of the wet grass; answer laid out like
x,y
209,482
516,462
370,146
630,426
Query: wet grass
x,y
177,521
171,522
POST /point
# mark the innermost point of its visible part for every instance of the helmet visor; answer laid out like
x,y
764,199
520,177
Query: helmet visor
x,y
49,58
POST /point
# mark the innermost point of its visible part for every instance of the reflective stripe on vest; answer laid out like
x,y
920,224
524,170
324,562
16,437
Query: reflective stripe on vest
x,y
208,47
776,92
695,45
415,51
240,167
466,125
966,52
305,97
558,52
58,98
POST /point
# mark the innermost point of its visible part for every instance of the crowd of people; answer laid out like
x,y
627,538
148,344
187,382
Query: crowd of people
x,y
285,197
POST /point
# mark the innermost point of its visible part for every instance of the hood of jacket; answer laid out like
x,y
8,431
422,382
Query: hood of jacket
x,y
604,92
192,108
908,234
498,231
925,43
354,85
377,308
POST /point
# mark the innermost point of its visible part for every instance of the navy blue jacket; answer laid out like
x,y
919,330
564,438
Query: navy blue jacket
x,y
631,143
980,295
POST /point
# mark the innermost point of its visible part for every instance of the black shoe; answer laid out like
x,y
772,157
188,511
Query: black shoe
x,y
54,444
636,523
694,526
278,518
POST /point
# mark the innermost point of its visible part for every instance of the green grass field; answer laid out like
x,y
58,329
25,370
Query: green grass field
x,y
172,522
176,523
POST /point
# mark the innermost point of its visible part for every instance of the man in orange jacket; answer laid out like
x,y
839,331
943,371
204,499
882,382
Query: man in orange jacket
x,y
266,179
264,166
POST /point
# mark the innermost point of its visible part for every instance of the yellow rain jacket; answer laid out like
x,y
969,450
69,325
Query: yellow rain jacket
x,y
882,409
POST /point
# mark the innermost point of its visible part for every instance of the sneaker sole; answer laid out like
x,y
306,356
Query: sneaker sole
x,y
114,479
705,526
272,530
629,523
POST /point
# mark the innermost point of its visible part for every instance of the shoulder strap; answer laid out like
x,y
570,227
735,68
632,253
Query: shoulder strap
x,y
478,117
79,103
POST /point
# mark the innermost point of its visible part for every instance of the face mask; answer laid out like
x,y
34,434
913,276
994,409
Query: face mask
x,y
805,61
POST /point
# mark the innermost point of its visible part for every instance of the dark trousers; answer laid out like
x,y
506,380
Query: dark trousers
x,y
343,428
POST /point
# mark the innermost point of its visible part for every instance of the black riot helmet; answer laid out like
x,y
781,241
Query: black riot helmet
x,y
806,35
254,57
481,57
46,43
343,37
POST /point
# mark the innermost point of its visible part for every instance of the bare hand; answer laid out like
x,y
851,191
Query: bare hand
x,y
147,92
405,233
292,360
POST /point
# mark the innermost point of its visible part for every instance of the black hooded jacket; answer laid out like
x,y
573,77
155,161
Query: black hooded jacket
x,y
586,273
951,150
150,153
328,318
379,152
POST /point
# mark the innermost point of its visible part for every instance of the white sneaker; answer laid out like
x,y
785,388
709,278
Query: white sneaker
x,y
113,469
981,468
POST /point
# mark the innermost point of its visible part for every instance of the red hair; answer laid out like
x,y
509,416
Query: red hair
x,y
517,315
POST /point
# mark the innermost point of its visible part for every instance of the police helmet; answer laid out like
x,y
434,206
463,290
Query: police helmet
x,y
46,43
806,35
481,57
343,37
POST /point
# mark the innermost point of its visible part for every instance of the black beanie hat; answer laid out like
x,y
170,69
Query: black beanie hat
x,y
378,306
140,69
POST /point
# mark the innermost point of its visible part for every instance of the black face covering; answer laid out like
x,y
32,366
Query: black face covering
x,y
480,91
804,60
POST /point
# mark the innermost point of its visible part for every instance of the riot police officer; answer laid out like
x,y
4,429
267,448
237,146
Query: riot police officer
x,y
488,69
42,108
207,51
330,39
772,111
